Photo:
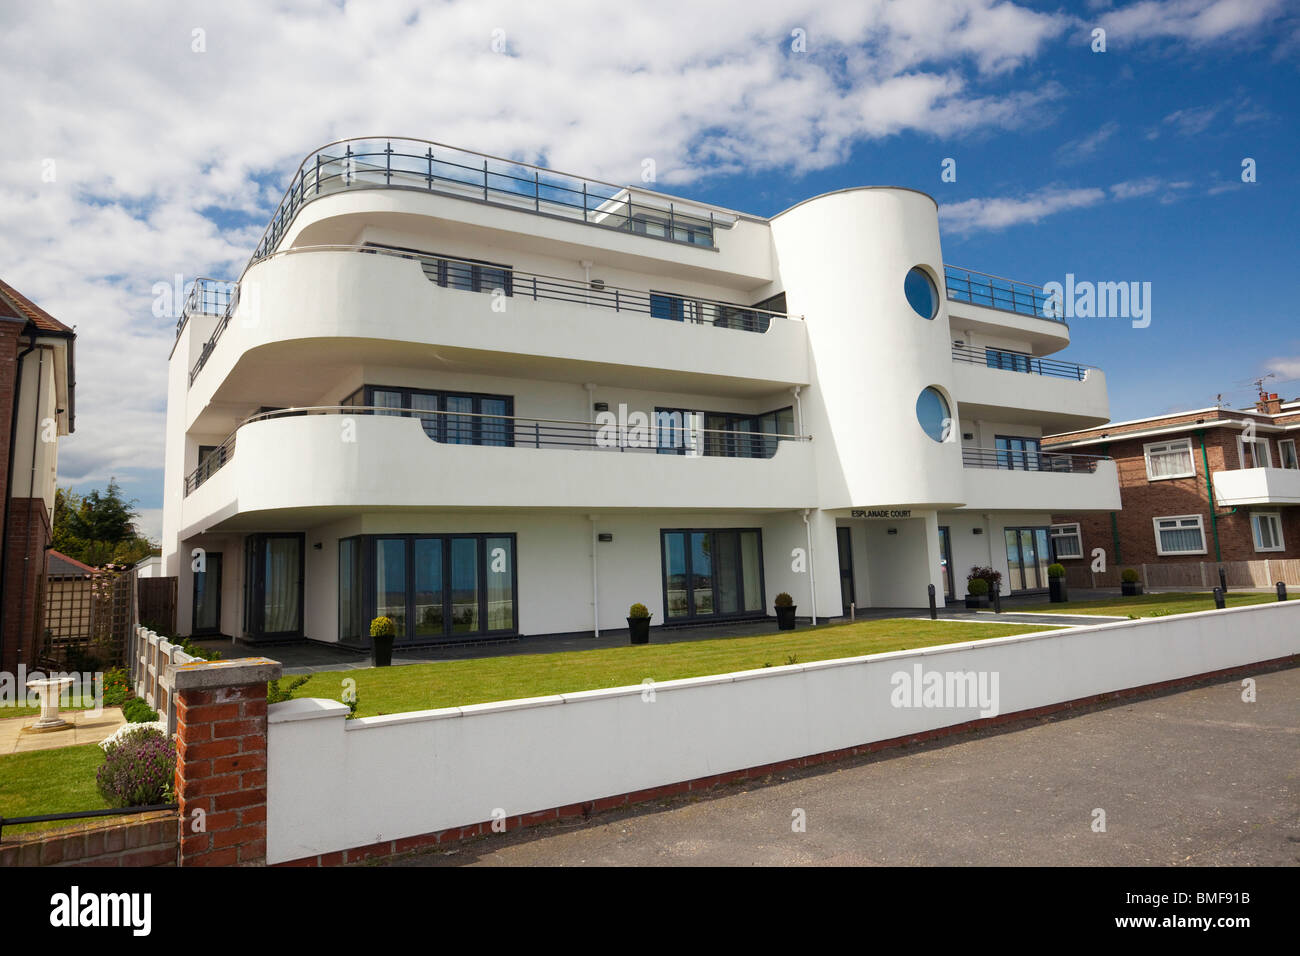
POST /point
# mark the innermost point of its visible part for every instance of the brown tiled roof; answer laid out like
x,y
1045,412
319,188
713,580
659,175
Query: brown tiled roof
x,y
16,305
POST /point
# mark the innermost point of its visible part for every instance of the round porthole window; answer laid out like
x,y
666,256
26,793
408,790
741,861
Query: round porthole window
x,y
933,414
921,293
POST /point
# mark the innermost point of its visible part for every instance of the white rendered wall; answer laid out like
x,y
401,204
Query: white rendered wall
x,y
335,784
843,258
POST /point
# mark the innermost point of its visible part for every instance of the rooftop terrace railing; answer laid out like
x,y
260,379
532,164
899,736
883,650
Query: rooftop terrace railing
x,y
397,162
1005,295
468,275
206,297
667,433
1019,362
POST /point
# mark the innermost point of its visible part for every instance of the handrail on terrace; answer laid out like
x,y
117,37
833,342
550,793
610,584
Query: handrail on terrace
x,y
1007,360
1005,295
372,161
666,433
1008,459
472,275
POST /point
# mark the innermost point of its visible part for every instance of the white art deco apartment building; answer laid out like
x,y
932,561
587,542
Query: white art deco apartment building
x,y
488,399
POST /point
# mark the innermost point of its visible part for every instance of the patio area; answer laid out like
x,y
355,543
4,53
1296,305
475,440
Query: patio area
x,y
84,727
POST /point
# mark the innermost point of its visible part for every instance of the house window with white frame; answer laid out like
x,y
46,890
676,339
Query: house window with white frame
x,y
1067,541
1254,453
1286,451
1180,534
1172,459
1266,526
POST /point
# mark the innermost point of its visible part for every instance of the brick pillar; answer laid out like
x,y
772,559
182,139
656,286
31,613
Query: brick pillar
x,y
221,760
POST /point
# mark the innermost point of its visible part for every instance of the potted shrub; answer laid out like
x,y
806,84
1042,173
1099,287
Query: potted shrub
x,y
785,608
638,623
1056,583
977,594
382,632
1130,583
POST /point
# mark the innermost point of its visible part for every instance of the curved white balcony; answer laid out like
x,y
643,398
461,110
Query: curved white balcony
x,y
1002,386
316,308
1000,480
298,468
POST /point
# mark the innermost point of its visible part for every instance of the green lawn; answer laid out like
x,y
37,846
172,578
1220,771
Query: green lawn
x,y
1152,605
454,683
50,781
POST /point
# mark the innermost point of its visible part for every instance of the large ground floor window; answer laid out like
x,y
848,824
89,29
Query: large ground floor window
x,y
434,587
273,585
712,573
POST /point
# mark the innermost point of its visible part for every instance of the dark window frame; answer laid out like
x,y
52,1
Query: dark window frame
x,y
369,579
691,617
730,445
506,438
194,593
255,584
444,265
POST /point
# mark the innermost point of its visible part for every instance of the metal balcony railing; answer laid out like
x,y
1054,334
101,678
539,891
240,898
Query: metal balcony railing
x,y
399,162
1027,460
667,433
995,292
206,297
1019,362
474,276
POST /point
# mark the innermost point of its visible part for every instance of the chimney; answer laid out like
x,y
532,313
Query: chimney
x,y
1269,403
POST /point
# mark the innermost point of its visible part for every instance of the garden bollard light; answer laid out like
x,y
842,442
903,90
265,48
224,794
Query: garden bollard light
x,y
1223,580
1218,598
1281,590
934,614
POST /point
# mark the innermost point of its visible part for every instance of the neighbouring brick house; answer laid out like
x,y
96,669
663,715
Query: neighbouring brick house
x,y
1195,486
37,382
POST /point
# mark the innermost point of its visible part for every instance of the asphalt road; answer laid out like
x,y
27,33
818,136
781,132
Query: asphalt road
x,y
1199,777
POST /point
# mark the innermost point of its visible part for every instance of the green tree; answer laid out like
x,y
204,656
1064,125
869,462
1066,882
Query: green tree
x,y
98,528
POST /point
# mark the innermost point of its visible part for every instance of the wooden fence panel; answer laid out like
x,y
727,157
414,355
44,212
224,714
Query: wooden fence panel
x,y
157,597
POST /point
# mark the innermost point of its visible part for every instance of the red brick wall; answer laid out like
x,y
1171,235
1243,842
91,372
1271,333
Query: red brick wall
x,y
147,840
1143,500
24,622
221,772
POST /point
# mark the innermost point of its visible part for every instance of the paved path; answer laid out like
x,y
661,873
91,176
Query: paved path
x,y
84,728
1193,778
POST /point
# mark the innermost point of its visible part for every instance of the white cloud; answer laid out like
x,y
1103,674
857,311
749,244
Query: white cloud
x,y
988,214
1082,149
149,138
1286,369
1193,21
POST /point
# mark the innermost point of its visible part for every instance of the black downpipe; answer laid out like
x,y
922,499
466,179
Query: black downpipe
x,y
9,472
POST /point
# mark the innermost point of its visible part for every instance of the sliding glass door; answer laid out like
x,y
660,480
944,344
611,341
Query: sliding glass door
x,y
273,585
1028,555
712,574
433,587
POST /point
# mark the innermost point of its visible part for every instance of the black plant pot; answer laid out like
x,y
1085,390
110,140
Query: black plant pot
x,y
639,629
785,617
381,651
975,602
1060,593
1130,589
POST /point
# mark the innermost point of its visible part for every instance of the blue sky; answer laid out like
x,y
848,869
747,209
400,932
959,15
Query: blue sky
x,y
173,141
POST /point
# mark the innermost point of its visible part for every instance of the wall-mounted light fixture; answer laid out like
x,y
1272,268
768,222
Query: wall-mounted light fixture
x,y
604,536
601,406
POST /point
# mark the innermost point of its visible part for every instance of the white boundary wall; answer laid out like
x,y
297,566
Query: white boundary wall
x,y
335,784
